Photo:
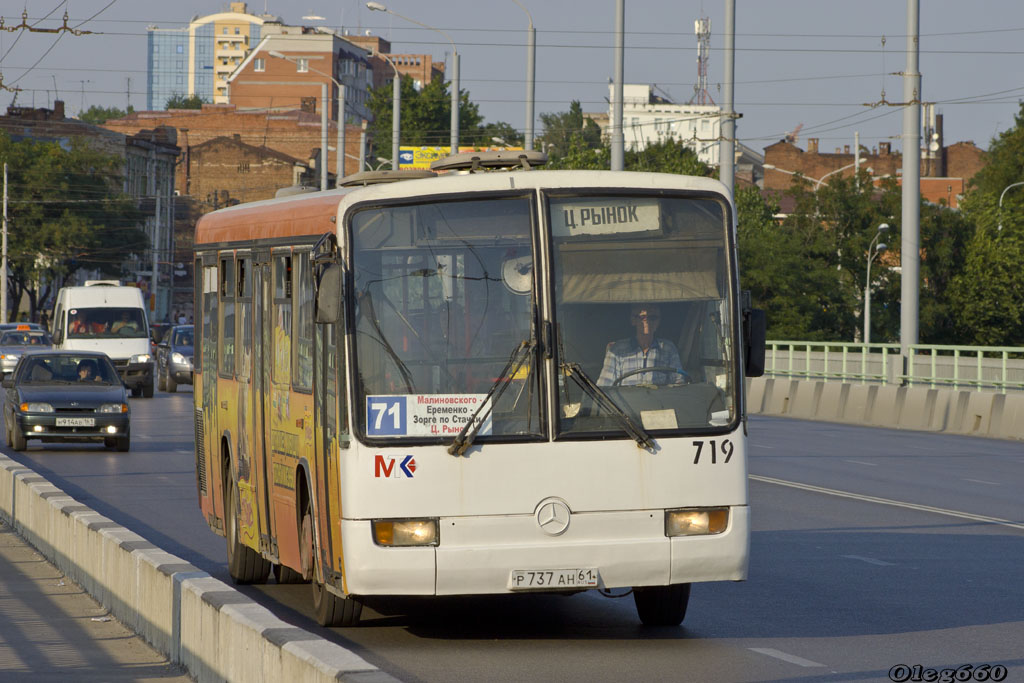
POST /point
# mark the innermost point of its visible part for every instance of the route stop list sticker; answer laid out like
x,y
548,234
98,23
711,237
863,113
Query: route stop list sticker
x,y
425,414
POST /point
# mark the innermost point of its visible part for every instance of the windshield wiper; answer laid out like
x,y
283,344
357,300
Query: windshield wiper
x,y
604,401
519,356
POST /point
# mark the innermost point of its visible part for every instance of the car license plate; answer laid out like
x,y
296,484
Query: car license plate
x,y
76,422
555,579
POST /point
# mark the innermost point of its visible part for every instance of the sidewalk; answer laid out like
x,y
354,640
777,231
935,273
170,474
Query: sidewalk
x,y
52,630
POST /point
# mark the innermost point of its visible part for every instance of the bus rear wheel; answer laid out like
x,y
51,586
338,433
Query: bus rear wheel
x,y
330,609
245,565
662,605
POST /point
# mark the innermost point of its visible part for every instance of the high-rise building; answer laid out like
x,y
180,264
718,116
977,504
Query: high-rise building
x,y
196,60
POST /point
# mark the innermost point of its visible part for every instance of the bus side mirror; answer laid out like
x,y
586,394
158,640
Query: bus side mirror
x,y
754,330
328,294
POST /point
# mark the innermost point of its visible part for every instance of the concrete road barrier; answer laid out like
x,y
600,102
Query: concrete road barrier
x,y
197,621
922,408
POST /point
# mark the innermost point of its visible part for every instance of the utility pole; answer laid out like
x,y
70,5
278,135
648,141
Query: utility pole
x,y
910,258
618,160
727,146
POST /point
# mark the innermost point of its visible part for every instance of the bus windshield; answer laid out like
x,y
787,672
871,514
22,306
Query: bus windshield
x,y
443,300
643,321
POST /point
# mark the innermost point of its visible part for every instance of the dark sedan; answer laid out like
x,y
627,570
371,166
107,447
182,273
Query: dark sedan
x,y
66,396
174,358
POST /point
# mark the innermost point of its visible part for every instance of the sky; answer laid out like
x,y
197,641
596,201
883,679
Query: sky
x,y
831,65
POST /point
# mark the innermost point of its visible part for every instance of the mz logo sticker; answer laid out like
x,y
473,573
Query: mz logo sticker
x,y
385,467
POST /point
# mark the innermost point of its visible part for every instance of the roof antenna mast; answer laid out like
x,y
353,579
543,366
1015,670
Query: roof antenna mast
x,y
702,29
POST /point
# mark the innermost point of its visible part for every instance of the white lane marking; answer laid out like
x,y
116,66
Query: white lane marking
x,y
887,501
792,659
861,462
982,481
869,560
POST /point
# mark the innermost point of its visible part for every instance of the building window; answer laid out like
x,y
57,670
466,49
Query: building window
x,y
302,65
259,65
225,31
180,49
237,31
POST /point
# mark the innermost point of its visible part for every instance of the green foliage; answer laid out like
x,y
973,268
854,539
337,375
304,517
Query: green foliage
x,y
426,117
670,156
561,130
179,101
988,295
66,213
100,115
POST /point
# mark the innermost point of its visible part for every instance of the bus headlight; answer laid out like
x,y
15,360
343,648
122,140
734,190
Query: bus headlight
x,y
139,358
393,533
696,521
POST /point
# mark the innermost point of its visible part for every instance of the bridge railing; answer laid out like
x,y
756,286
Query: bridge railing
x,y
990,368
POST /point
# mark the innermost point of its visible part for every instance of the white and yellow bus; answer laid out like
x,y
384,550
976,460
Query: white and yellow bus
x,y
478,383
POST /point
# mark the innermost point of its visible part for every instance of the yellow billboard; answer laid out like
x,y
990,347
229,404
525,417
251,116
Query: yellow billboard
x,y
421,157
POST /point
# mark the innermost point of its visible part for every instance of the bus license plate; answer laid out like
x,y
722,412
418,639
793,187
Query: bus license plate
x,y
76,422
534,579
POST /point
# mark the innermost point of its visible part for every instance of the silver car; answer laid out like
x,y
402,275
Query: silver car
x,y
14,342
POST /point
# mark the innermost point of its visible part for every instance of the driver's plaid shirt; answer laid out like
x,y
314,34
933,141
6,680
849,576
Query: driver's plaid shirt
x,y
626,355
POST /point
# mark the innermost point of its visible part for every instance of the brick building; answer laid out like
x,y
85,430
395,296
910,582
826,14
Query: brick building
x,y
944,172
225,171
295,134
290,64
422,69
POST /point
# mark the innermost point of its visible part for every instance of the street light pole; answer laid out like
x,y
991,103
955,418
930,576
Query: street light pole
x,y
396,110
873,251
531,53
380,7
1003,194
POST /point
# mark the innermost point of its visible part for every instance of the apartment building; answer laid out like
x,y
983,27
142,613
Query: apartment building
x,y
287,68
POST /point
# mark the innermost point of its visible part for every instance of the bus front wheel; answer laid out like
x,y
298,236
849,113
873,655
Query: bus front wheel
x,y
245,565
330,609
662,605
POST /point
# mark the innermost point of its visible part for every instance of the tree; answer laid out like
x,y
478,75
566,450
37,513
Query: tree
x,y
988,295
66,213
100,115
426,117
560,129
179,101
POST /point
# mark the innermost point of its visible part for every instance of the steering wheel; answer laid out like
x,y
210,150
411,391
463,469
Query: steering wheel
x,y
653,368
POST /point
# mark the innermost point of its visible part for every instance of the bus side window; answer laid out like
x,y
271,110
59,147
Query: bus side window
x,y
243,355
302,349
282,322
210,317
227,317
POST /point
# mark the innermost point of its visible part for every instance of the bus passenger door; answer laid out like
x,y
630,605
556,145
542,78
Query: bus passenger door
x,y
262,360
330,439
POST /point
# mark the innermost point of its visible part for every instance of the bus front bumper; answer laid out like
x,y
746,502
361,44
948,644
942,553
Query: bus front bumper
x,y
478,555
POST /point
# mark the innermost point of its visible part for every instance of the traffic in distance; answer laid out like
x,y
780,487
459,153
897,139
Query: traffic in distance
x,y
479,383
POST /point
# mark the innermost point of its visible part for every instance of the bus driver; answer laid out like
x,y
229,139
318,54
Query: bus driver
x,y
623,358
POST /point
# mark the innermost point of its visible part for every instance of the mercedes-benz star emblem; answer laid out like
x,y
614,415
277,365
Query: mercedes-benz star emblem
x,y
553,516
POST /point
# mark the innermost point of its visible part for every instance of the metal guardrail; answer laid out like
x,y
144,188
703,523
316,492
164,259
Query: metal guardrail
x,y
990,368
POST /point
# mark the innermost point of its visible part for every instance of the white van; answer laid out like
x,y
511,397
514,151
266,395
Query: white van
x,y
105,316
